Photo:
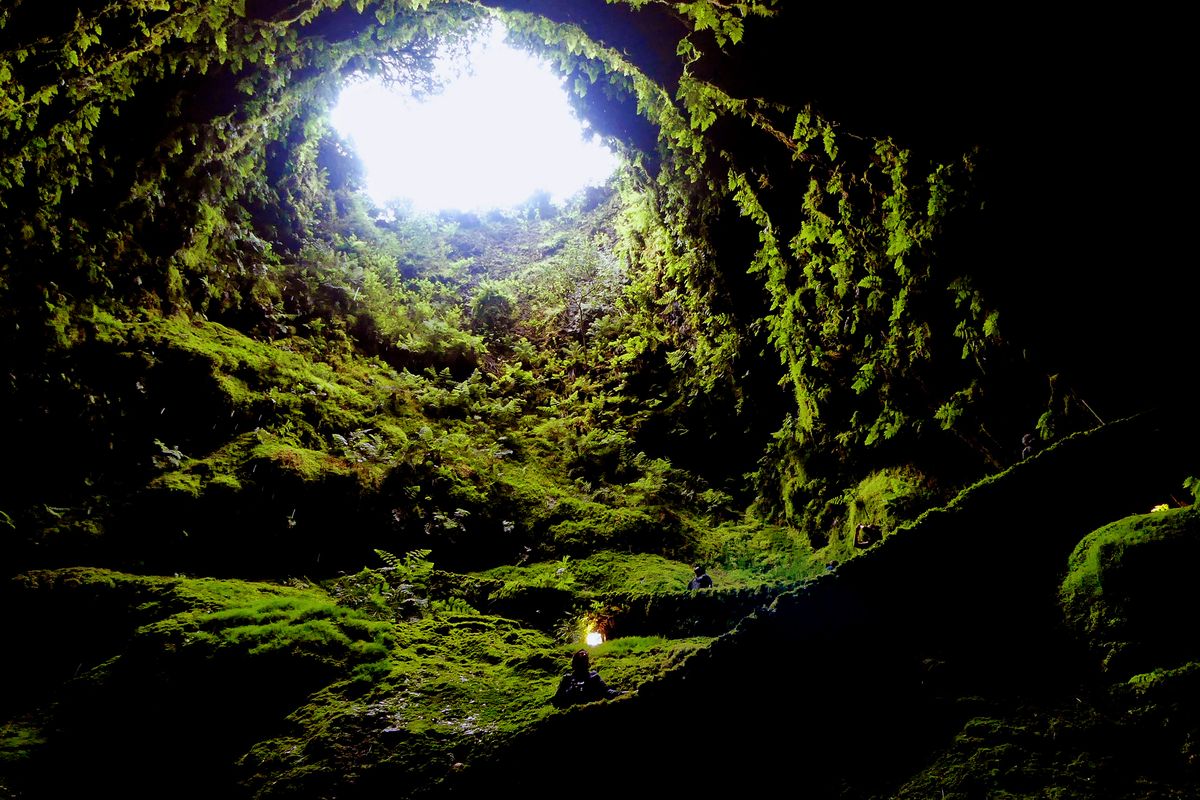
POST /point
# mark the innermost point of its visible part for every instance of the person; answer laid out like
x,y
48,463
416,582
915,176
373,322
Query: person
x,y
867,535
582,684
701,581
1027,445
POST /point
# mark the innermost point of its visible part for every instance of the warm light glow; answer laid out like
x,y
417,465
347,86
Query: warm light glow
x,y
594,638
500,131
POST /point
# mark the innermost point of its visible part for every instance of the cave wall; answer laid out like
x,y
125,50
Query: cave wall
x,y
1063,241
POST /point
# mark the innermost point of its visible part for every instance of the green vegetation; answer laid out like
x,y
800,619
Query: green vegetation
x,y
1128,585
1130,734
351,484
1041,753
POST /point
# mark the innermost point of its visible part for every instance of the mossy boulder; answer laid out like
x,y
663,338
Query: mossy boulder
x,y
1131,590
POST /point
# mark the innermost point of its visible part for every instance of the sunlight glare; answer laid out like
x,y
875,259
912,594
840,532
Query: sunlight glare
x,y
500,131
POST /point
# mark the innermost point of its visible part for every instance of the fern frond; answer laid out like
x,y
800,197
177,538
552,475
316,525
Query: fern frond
x,y
413,558
389,559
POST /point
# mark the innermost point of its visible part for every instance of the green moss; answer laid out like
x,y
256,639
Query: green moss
x,y
630,572
1165,679
1071,753
328,392
226,482
442,688
91,624
630,661
458,687
208,614
1128,584
20,739
308,627
148,595
888,498
212,594
107,328
178,482
309,416
308,465
594,525
605,571
1006,758
750,553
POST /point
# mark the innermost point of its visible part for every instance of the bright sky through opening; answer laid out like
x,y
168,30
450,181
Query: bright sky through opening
x,y
500,131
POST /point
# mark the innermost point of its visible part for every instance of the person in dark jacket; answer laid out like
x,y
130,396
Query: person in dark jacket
x,y
701,581
582,684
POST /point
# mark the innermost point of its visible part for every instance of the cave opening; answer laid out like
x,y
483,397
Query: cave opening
x,y
488,128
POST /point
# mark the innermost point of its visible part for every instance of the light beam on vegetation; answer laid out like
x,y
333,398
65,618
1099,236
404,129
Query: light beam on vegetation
x,y
501,131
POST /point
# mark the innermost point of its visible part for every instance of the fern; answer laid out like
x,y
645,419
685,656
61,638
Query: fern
x,y
389,559
451,605
415,563
418,560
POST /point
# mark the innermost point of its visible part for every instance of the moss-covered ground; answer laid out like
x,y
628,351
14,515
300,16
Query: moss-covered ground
x,y
423,690
347,485
421,594
433,683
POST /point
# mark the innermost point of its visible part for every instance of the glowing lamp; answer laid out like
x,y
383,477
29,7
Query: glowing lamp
x,y
594,638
